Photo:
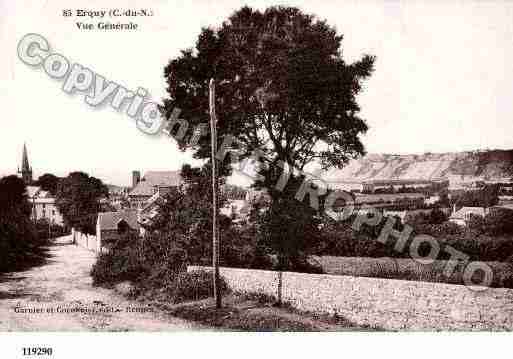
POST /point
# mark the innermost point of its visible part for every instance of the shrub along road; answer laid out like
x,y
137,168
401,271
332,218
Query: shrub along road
x,y
59,296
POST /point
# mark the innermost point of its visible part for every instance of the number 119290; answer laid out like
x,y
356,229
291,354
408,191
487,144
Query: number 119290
x,y
37,351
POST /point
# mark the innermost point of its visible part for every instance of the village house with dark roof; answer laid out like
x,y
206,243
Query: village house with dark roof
x,y
111,225
153,182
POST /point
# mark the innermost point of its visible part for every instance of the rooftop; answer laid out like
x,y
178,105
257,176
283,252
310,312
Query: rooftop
x,y
156,178
110,220
463,212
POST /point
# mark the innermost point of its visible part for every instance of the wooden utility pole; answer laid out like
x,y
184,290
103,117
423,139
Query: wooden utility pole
x,y
215,224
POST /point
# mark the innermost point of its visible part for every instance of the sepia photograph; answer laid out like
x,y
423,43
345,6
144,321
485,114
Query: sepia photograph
x,y
254,166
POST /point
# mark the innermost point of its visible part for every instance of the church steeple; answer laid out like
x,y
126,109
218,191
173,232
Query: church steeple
x,y
26,170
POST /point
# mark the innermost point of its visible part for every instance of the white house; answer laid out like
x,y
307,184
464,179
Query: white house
x,y
463,215
43,205
110,226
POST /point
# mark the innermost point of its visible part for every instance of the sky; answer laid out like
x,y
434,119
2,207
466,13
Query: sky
x,y
443,79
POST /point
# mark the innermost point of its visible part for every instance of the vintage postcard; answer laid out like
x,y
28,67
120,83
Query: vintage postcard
x,y
254,166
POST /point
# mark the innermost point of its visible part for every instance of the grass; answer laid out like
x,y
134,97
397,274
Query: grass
x,y
248,313
409,269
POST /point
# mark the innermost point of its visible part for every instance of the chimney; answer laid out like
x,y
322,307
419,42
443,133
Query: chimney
x,y
136,178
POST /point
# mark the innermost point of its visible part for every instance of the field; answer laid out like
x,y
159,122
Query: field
x,y
408,269
373,198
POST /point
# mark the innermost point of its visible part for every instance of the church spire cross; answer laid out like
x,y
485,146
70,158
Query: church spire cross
x,y
25,162
26,170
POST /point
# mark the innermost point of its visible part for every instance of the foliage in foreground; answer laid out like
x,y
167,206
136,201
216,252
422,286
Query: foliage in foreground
x,y
153,265
19,242
194,285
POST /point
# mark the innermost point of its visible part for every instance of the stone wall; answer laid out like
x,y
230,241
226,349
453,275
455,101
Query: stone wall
x,y
382,303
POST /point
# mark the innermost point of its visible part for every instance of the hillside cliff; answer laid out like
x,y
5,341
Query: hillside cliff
x,y
487,165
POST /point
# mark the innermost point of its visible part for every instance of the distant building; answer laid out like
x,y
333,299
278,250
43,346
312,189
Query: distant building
x,y
42,202
464,214
367,187
148,214
110,226
387,198
118,197
253,196
235,208
399,214
432,199
464,182
235,201
347,185
371,185
43,206
136,178
153,182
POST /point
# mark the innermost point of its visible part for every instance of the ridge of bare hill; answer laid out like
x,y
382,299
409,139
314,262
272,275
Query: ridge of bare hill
x,y
492,165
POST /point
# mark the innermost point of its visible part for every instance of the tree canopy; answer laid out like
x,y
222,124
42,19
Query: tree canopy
x,y
48,182
284,94
13,197
18,240
282,88
484,197
78,199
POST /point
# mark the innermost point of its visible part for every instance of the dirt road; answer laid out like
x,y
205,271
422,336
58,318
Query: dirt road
x,y
59,296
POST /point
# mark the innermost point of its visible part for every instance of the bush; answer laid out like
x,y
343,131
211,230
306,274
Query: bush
x,y
20,246
193,285
117,266
437,216
433,217
152,266
242,249
123,262
152,263
499,222
481,241
162,259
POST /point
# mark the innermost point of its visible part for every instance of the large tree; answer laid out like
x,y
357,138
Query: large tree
x,y
78,199
283,89
17,236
